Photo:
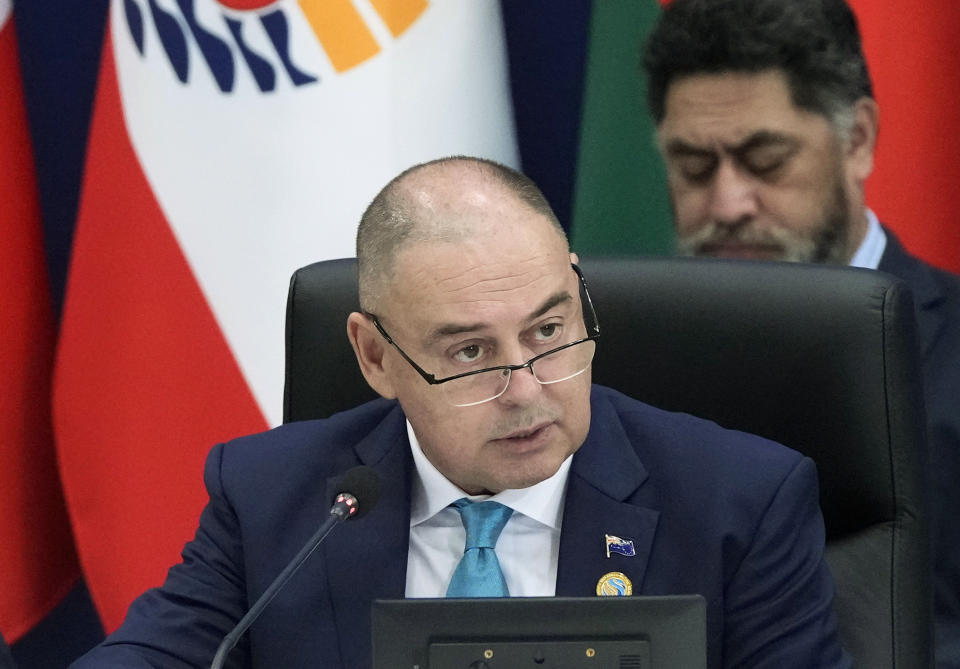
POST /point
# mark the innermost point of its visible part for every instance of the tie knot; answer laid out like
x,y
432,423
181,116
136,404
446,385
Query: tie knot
x,y
483,521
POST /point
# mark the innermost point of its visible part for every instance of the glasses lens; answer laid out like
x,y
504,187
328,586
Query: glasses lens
x,y
565,363
552,368
476,388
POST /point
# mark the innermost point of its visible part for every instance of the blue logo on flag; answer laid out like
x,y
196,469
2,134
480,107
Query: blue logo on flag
x,y
619,546
216,52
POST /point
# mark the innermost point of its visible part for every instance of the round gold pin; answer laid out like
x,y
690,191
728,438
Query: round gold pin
x,y
614,584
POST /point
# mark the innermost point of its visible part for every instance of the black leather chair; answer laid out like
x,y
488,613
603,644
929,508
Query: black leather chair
x,y
822,359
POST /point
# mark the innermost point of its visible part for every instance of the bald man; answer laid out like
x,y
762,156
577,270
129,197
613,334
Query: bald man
x,y
476,328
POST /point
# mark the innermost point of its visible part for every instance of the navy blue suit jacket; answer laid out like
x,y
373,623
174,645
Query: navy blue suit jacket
x,y
937,297
711,511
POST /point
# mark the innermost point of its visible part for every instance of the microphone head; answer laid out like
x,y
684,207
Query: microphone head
x,y
364,485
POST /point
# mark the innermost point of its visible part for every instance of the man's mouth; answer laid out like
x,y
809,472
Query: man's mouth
x,y
528,434
741,250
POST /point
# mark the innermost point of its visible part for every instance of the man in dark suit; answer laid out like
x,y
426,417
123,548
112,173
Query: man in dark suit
x,y
478,331
767,123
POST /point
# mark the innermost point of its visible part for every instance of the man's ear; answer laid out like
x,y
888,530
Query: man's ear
x,y
862,141
369,346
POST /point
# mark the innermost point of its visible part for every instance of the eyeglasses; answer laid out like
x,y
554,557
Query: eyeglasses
x,y
483,385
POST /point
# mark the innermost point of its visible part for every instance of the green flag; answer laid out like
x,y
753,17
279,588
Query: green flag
x,y
620,201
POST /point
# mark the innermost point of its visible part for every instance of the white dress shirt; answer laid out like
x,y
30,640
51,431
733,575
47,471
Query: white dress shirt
x,y
528,547
873,244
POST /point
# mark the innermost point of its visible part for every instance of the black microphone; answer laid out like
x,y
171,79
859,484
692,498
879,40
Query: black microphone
x,y
360,488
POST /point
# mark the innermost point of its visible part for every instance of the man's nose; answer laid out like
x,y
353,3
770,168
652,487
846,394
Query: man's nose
x,y
733,196
522,389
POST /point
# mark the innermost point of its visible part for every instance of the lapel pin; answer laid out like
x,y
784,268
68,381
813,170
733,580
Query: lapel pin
x,y
614,584
619,546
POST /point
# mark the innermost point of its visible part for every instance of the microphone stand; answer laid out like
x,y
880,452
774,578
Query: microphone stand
x,y
343,509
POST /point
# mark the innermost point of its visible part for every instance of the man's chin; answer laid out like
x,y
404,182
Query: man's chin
x,y
742,251
524,472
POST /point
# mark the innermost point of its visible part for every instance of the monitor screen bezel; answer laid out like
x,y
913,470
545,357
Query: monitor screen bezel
x,y
674,625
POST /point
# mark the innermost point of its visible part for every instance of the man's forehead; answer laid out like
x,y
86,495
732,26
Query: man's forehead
x,y
761,140
476,276
435,286
493,249
728,107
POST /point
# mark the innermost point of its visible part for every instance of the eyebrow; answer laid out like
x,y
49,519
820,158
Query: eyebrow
x,y
679,147
451,329
763,138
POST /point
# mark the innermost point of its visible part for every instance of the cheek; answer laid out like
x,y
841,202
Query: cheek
x,y
797,210
577,409
689,206
422,403
446,430
799,201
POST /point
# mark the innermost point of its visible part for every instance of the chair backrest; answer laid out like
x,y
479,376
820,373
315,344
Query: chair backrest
x,y
822,359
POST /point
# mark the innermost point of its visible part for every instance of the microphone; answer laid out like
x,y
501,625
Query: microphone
x,y
360,488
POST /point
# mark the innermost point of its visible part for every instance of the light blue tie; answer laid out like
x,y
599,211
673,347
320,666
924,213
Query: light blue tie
x,y
478,574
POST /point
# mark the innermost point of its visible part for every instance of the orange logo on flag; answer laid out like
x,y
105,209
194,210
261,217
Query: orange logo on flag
x,y
342,30
344,34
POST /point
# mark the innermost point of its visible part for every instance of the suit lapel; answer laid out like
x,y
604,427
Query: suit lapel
x,y
604,477
367,558
927,295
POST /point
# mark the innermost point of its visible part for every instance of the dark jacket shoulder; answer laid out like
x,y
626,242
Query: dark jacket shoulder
x,y
663,438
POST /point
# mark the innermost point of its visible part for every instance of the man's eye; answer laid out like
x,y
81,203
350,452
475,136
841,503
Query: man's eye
x,y
469,353
766,162
697,169
547,332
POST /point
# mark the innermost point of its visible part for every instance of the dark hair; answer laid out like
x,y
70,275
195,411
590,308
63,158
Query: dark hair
x,y
815,43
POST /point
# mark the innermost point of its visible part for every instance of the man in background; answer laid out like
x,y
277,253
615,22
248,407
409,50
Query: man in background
x,y
767,123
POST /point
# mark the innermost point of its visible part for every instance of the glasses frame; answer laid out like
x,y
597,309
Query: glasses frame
x,y
593,333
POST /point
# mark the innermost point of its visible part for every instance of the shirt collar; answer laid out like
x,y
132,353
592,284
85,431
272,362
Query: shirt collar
x,y
871,248
432,492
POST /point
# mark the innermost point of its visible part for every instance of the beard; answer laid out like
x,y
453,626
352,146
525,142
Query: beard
x,y
825,243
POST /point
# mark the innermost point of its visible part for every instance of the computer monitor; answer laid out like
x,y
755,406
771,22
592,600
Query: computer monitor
x,y
541,633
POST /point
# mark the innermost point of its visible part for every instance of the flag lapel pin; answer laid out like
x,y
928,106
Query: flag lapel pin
x,y
619,546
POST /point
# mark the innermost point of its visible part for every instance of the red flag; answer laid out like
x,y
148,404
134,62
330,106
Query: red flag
x,y
913,52
37,561
232,141
145,382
